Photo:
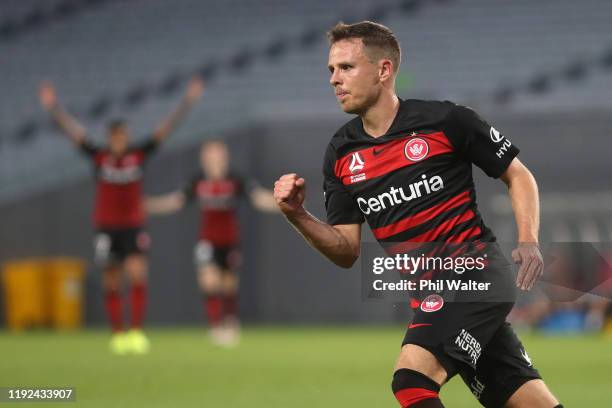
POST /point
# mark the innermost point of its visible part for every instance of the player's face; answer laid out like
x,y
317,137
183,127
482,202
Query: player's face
x,y
353,75
118,139
214,159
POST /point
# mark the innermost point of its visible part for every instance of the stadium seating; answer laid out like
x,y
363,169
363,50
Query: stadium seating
x,y
460,50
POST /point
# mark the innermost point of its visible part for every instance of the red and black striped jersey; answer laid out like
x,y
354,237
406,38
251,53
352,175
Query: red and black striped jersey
x,y
414,184
118,202
218,201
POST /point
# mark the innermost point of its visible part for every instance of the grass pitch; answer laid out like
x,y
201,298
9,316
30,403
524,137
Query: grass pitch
x,y
272,367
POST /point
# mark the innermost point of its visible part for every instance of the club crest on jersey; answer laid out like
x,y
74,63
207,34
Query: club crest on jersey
x,y
432,303
416,149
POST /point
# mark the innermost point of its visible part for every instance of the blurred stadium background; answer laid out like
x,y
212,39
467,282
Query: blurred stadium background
x,y
540,71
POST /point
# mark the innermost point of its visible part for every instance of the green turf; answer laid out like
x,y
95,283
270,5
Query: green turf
x,y
273,367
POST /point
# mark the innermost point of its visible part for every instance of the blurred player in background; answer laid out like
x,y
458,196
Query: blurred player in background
x,y
120,242
373,169
217,191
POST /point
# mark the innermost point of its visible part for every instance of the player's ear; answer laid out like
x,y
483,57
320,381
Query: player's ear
x,y
385,69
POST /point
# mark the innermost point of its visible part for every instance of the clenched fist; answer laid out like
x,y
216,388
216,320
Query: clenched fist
x,y
289,193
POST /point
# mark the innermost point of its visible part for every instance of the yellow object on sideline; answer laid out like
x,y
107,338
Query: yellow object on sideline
x,y
43,292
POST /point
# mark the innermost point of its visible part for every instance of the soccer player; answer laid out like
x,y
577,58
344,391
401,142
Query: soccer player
x,y
120,241
217,191
426,150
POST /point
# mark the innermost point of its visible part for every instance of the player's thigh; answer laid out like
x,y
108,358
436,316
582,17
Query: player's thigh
x,y
105,249
134,244
419,359
532,394
229,259
230,281
450,336
209,272
210,278
111,277
503,368
135,266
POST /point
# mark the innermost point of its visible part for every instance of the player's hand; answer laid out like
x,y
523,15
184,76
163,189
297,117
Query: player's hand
x,y
47,95
195,89
289,193
528,255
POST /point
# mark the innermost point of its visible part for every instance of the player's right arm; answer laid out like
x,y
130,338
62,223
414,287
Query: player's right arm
x,y
69,125
339,243
172,202
165,203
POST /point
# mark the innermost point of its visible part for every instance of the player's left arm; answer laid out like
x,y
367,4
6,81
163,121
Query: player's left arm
x,y
195,88
483,145
523,191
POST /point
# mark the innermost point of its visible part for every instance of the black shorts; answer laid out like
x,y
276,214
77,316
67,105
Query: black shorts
x,y
467,332
473,339
225,257
114,245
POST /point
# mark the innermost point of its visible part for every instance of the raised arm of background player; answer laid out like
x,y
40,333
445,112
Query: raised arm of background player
x,y
76,132
339,243
71,127
194,91
261,198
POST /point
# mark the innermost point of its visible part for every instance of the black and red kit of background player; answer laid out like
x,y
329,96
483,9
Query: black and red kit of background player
x,y
217,191
218,236
119,217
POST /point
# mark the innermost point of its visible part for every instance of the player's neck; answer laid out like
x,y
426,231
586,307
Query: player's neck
x,y
215,176
379,117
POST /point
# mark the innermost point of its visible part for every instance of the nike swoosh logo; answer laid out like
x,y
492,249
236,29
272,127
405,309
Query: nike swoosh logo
x,y
412,326
377,152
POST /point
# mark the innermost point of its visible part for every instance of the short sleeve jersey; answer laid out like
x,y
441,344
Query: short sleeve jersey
x,y
414,184
118,201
